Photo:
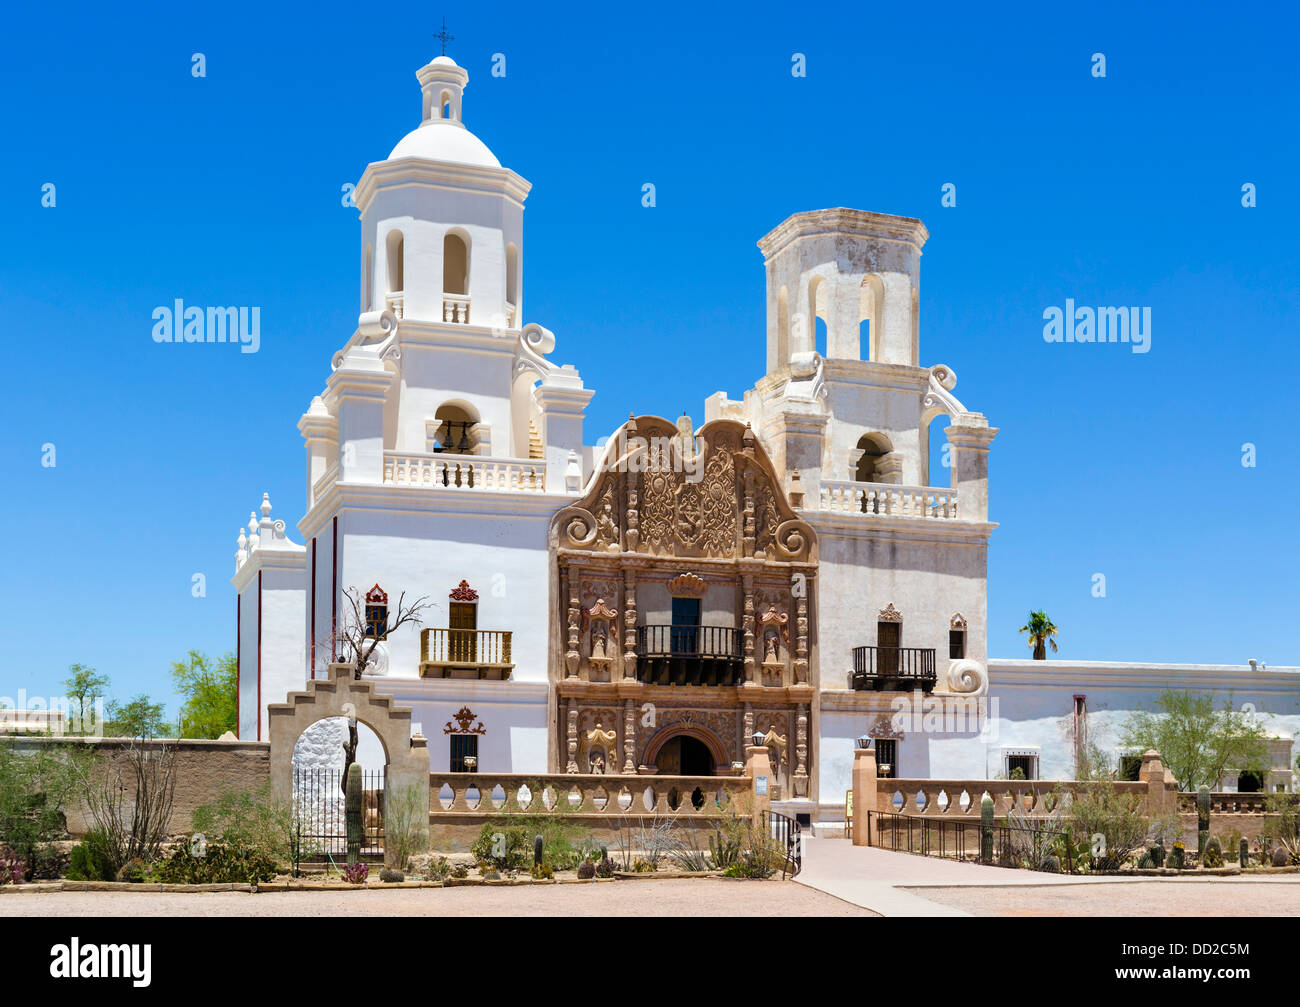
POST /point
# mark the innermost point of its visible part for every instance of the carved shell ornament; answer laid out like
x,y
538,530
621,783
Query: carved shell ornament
x,y
687,585
778,620
890,614
967,678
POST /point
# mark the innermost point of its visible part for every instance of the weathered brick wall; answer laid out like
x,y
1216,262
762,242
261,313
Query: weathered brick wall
x,y
204,770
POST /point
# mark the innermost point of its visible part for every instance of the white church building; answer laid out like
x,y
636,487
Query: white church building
x,y
646,600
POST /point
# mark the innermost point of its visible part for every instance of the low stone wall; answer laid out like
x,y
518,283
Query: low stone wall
x,y
204,770
601,805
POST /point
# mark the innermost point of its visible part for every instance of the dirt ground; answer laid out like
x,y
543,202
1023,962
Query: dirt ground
x,y
1181,898
703,897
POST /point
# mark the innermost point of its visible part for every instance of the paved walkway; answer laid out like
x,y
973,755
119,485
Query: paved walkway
x,y
687,897
904,884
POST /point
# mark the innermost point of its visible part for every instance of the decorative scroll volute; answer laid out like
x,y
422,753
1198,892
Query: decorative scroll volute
x,y
651,496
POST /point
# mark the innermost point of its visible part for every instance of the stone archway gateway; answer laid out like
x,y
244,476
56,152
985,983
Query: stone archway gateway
x,y
340,695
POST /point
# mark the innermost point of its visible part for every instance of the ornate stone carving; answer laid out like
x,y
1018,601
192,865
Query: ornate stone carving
x,y
890,614
607,519
687,585
464,719
629,737
597,750
571,734
958,621
463,592
801,752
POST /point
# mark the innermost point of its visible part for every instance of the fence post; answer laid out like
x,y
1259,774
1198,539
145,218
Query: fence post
x,y
864,797
986,829
1162,788
758,767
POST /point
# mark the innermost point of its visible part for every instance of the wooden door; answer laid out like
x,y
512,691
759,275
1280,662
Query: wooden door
x,y
887,637
462,626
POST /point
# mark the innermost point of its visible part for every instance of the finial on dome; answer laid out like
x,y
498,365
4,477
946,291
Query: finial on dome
x,y
266,505
443,37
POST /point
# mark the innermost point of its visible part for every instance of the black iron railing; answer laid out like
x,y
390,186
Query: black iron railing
x,y
785,831
877,667
1010,845
319,814
689,655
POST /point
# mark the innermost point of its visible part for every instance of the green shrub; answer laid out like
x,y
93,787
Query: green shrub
x,y
253,826
391,877
134,871
35,788
92,859
504,847
194,862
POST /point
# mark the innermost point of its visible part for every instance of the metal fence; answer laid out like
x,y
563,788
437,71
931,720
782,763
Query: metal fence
x,y
1010,846
319,809
785,830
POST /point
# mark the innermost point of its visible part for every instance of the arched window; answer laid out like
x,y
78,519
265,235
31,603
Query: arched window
x,y
453,431
512,277
455,264
368,280
783,328
815,315
874,447
444,101
396,268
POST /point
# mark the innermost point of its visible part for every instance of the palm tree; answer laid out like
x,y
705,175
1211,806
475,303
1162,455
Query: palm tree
x,y
1041,634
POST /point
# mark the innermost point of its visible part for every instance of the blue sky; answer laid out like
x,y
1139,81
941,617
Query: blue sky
x,y
226,190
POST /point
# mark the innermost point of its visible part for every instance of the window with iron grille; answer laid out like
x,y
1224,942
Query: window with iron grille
x,y
956,644
1027,764
887,758
463,745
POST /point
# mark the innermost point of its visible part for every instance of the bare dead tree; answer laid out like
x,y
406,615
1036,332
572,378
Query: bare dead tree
x,y
130,797
356,637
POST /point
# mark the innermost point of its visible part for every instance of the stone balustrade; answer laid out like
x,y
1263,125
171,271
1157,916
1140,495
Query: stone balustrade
x,y
961,798
455,308
884,499
469,472
1225,803
609,797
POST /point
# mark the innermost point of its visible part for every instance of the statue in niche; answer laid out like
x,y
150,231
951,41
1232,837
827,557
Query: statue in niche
x,y
600,748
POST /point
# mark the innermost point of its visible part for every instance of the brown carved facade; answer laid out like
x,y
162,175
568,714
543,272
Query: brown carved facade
x,y
684,585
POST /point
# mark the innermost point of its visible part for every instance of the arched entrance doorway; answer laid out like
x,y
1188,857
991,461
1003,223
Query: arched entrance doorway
x,y
684,756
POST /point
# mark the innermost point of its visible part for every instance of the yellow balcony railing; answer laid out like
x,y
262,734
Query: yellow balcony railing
x,y
447,653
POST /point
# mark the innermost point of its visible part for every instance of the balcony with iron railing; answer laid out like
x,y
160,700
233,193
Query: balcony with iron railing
x,y
689,655
888,500
444,470
465,653
889,668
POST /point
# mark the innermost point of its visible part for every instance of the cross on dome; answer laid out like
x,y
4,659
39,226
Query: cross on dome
x,y
443,37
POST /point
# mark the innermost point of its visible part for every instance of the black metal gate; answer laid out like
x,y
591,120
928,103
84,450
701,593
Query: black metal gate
x,y
319,811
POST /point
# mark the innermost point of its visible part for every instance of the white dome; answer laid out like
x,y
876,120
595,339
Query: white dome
x,y
440,140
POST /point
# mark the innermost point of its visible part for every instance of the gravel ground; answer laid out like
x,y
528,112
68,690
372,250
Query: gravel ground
x,y
1179,898
704,897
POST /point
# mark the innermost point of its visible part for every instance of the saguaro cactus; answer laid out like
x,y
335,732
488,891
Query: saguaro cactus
x,y
1202,820
986,829
352,813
